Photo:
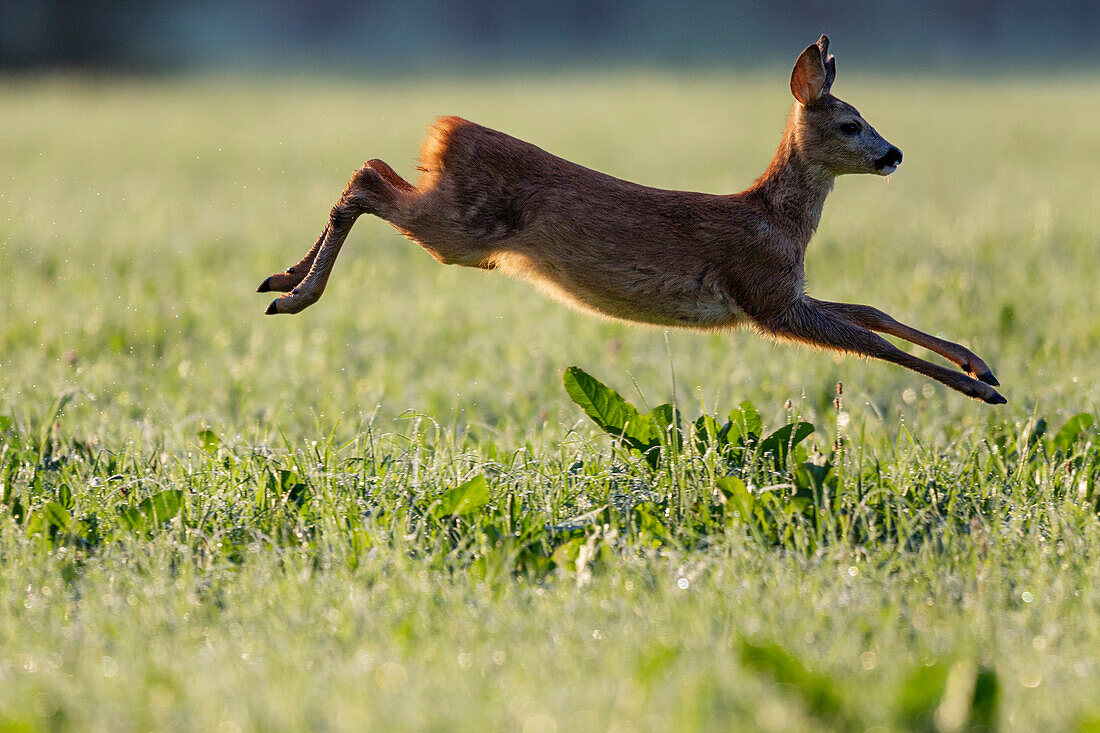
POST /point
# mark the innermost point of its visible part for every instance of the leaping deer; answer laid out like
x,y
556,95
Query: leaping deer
x,y
672,258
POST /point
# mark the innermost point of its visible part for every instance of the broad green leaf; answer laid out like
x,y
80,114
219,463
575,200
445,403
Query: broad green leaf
x,y
920,696
163,506
298,494
36,524
209,441
65,496
809,475
737,495
817,690
462,500
57,516
647,515
746,425
798,504
132,518
153,510
5,423
565,554
986,701
785,439
86,529
609,410
51,519
708,432
1072,430
666,418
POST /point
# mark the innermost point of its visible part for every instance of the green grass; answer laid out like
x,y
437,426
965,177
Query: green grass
x,y
324,567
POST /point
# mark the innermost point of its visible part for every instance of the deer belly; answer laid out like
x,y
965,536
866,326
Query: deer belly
x,y
691,303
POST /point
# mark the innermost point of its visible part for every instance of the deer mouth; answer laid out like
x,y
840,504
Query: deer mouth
x,y
888,163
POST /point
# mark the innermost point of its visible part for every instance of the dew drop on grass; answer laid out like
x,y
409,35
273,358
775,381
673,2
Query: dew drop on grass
x,y
682,583
1027,596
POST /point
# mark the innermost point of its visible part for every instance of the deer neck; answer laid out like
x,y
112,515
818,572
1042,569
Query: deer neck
x,y
794,189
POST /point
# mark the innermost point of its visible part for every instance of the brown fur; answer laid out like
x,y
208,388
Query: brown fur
x,y
671,258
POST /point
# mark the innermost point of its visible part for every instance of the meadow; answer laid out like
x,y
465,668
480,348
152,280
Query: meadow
x,y
394,511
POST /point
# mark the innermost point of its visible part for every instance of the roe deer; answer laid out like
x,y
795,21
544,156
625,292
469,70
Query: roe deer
x,y
672,258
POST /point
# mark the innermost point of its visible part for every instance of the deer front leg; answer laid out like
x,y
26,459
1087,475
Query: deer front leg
x,y
368,192
875,320
807,321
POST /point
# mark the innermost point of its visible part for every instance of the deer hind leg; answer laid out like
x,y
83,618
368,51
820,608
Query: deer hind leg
x,y
810,322
390,175
876,320
282,282
370,191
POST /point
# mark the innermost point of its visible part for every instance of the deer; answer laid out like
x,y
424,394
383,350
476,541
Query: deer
x,y
626,251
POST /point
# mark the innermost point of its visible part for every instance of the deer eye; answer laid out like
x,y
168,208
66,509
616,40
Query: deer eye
x,y
850,128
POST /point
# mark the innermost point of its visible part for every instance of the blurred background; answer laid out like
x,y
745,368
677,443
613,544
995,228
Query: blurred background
x,y
357,35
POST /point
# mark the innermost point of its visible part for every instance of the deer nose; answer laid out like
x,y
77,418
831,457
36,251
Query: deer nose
x,y
892,158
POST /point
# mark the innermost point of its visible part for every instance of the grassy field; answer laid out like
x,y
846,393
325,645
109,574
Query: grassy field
x,y
387,511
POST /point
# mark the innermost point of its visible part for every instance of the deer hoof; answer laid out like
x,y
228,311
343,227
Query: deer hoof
x,y
988,378
265,286
272,308
995,399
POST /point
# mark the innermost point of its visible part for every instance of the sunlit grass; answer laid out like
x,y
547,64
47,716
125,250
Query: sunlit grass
x,y
306,580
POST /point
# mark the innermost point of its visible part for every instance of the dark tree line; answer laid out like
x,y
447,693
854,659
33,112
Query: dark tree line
x,y
354,34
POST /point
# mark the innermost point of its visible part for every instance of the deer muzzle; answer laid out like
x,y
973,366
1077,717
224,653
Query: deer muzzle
x,y
888,163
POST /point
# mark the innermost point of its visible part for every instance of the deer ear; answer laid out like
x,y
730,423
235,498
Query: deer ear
x,y
830,74
808,77
829,61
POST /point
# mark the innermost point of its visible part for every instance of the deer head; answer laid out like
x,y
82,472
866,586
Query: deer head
x,y
829,132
